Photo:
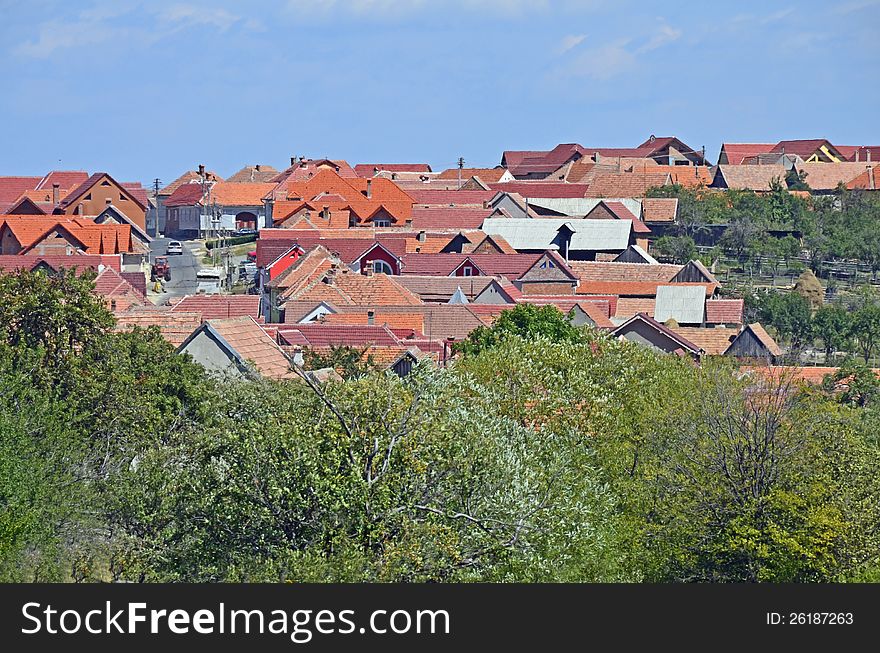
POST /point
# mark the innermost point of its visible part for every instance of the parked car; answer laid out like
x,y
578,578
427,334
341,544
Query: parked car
x,y
174,247
245,231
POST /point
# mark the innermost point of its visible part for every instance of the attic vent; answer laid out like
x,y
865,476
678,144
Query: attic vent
x,y
105,183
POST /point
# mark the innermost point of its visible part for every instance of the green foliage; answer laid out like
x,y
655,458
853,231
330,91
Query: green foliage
x,y
543,453
231,241
525,321
680,249
349,362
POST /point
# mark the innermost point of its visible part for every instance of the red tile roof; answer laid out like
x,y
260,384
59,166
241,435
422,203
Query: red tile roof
x,y
66,179
251,342
186,194
55,261
326,335
511,266
219,306
11,188
724,311
739,152
626,184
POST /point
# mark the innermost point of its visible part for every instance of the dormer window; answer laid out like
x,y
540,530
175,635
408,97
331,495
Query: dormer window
x,y
381,222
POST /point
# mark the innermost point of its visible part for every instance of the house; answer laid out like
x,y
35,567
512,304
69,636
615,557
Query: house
x,y
724,312
93,195
196,210
754,342
375,202
237,346
826,177
648,332
118,292
303,169
665,150
198,176
57,234
574,239
174,327
759,178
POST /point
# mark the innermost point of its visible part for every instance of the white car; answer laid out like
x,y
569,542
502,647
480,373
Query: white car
x,y
174,247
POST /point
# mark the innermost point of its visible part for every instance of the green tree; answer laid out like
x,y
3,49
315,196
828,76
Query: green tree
x,y
680,249
349,362
526,321
865,329
831,325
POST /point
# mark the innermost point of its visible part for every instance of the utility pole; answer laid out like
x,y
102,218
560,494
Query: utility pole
x,y
460,167
156,197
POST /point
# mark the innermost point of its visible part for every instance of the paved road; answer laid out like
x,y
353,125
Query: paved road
x,y
183,270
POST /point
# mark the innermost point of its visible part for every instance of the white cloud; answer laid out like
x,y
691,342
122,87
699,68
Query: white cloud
x,y
403,8
664,35
182,16
569,42
128,22
604,62
616,57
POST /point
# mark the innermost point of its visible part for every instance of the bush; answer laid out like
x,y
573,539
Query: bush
x,y
229,242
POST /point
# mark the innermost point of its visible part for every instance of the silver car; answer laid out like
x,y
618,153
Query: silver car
x,y
174,247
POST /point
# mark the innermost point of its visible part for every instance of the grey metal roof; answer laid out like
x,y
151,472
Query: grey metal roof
x,y
539,233
580,206
684,304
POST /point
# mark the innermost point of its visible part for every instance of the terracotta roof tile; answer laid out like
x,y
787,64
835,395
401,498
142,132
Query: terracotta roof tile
x,y
751,177
446,217
188,177
737,153
827,176
543,189
601,271
219,306
625,184
254,346
724,311
659,209
629,306
713,341
253,174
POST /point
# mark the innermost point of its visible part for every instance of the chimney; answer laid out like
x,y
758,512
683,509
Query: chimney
x,y
596,157
292,161
325,213
371,317
422,237
871,178
868,156
857,155
369,189
201,170
257,167
56,193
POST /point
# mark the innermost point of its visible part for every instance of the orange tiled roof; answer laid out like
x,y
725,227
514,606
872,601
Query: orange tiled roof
x,y
226,193
629,306
254,346
384,195
350,288
601,271
713,341
219,306
625,184
659,209
633,288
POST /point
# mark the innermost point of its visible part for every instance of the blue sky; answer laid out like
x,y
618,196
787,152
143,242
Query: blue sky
x,y
149,89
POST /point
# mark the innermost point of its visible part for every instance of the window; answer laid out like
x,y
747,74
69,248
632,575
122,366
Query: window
x,y
467,271
547,264
381,222
382,267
